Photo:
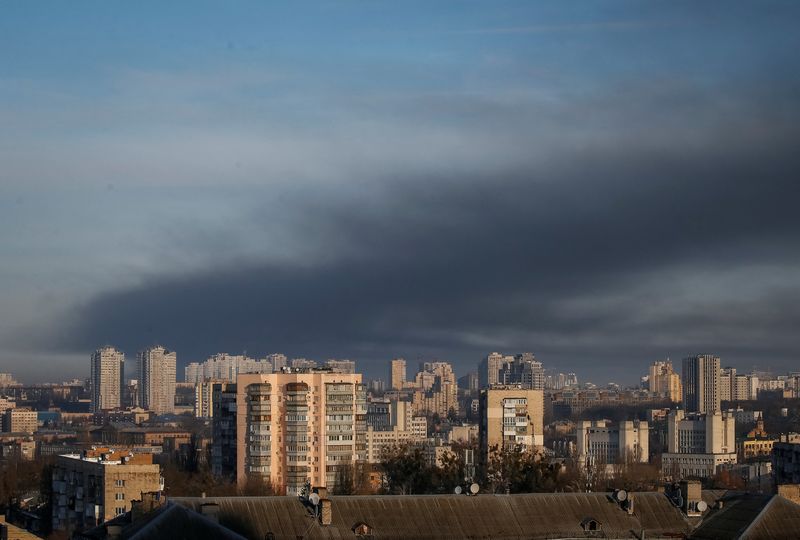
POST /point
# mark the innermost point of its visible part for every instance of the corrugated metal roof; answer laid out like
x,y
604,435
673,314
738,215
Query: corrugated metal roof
x,y
750,516
529,516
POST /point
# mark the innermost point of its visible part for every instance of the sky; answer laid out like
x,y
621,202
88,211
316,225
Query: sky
x,y
604,184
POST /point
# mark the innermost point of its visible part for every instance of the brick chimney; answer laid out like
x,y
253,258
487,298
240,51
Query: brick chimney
x,y
326,512
692,493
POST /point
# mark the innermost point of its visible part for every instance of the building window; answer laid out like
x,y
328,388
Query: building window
x,y
119,483
119,496
119,510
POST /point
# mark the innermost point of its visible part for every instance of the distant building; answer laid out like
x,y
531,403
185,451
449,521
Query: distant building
x,y
602,442
470,382
436,390
698,444
398,375
299,427
6,403
226,367
701,375
98,485
524,370
204,398
664,381
157,380
403,428
20,420
6,380
107,378
510,417
340,366
786,460
490,366
223,429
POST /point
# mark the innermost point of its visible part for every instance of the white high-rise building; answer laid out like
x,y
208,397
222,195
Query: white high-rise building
x,y
107,378
157,379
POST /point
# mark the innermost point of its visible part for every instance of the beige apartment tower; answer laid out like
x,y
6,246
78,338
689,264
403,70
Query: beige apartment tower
x,y
398,373
107,378
511,416
665,381
157,380
298,427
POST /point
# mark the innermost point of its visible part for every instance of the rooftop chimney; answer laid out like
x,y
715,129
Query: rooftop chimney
x,y
326,513
692,494
211,511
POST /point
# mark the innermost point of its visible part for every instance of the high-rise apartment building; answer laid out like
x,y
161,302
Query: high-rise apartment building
x,y
436,389
511,416
157,380
293,428
107,378
398,373
522,369
225,367
698,444
664,381
490,366
701,376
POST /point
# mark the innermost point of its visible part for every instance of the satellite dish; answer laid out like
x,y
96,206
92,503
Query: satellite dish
x,y
314,498
458,490
474,488
622,495
702,506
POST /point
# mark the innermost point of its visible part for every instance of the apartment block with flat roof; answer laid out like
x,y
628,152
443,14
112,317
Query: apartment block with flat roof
x,y
107,378
298,427
97,485
511,416
157,379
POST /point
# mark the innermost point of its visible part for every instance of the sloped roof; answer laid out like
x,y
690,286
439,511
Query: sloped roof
x,y
171,521
529,516
752,517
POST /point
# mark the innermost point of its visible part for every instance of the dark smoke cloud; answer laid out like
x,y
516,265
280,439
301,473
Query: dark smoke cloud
x,y
673,231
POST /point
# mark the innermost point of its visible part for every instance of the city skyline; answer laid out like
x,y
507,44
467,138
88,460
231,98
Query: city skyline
x,y
605,186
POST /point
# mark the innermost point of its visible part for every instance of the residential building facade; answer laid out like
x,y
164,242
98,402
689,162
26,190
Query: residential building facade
x,y
98,485
298,427
511,416
157,379
701,375
107,378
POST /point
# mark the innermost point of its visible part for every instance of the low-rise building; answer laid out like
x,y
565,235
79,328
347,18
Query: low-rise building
x,y
698,444
20,420
97,485
786,461
602,442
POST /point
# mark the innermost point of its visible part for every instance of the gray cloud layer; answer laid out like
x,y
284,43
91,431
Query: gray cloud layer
x,y
652,222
